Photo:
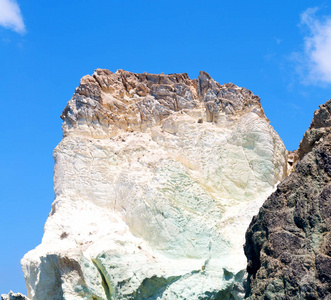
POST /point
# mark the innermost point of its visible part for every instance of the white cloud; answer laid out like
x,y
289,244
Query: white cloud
x,y
10,16
317,43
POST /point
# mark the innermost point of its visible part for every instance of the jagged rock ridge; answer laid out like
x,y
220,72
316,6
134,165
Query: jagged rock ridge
x,y
288,244
13,296
156,180
110,102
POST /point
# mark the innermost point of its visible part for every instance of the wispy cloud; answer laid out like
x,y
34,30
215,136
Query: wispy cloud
x,y
317,46
11,17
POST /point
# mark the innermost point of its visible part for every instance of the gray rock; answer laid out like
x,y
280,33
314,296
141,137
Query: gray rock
x,y
288,244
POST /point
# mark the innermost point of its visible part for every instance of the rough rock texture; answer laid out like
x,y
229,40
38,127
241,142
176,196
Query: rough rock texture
x,y
156,180
13,296
288,244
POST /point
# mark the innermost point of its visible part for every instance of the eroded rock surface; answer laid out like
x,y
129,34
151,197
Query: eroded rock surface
x,y
13,296
288,244
156,180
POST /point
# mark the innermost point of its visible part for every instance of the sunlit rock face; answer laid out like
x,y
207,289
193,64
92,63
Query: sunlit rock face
x,y
156,180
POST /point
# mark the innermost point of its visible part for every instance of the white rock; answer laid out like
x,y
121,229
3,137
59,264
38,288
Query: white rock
x,y
13,296
156,180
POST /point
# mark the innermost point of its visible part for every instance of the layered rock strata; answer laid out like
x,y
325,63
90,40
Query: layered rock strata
x,y
288,244
156,180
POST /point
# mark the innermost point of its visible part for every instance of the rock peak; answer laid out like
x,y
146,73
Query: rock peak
x,y
126,101
319,127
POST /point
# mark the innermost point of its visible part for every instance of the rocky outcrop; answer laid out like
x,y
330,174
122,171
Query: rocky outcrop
x,y
156,180
288,244
107,103
13,296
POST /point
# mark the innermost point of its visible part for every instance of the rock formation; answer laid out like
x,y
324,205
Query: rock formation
x,y
288,244
156,180
13,296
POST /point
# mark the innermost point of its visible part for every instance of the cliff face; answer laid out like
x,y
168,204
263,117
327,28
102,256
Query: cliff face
x,y
288,244
156,180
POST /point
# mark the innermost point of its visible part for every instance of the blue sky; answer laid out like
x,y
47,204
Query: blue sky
x,y
281,50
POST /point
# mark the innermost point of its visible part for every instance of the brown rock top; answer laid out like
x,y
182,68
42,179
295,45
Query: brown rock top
x,y
134,102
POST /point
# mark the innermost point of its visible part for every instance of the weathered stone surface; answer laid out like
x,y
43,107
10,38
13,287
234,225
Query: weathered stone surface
x,y
318,129
13,296
156,180
106,103
288,244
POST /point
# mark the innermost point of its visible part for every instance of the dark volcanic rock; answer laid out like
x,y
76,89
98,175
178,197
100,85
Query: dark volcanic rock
x,y
288,244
